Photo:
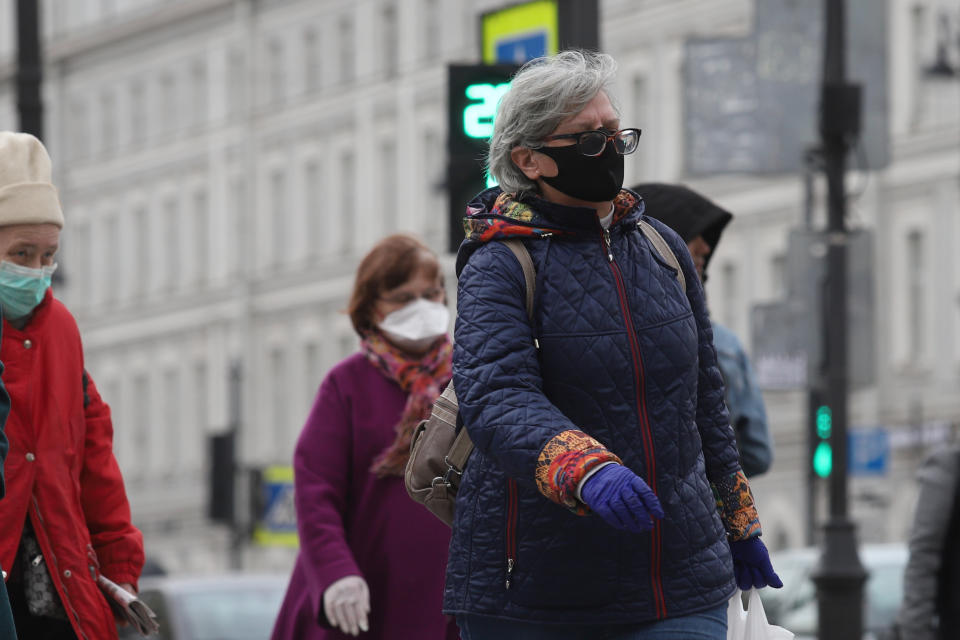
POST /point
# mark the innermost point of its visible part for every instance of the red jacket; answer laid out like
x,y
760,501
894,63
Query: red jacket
x,y
61,470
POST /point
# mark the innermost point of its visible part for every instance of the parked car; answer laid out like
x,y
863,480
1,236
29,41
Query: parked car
x,y
222,607
794,607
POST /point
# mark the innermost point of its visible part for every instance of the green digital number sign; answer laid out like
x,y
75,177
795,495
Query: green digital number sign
x,y
479,115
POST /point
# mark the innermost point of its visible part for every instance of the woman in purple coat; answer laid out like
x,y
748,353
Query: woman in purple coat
x,y
371,560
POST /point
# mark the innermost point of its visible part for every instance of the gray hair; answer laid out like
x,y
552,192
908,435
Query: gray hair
x,y
544,93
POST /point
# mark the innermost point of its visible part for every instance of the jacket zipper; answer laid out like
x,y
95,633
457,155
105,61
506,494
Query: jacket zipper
x,y
56,567
511,529
655,538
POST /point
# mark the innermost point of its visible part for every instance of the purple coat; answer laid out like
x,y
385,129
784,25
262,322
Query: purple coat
x,y
352,523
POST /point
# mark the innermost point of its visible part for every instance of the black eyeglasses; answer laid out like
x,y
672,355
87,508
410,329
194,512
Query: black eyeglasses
x,y
592,143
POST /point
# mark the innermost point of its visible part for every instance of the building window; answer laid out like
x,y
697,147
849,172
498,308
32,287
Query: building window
x,y
79,129
280,216
171,244
279,391
388,185
915,294
142,248
346,49
430,35
142,424
198,84
236,219
728,276
433,163
311,61
277,71
172,424
201,234
200,408
640,99
389,38
236,83
778,275
311,206
111,270
168,102
81,257
347,200
138,113
108,120
312,373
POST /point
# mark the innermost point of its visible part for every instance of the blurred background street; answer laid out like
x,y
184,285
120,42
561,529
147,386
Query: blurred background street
x,y
224,164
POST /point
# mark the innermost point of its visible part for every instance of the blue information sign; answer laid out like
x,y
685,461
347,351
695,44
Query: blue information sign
x,y
868,452
278,522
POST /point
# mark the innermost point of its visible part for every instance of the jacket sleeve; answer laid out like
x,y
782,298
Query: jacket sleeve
x,y
938,482
745,404
117,543
321,488
735,502
500,388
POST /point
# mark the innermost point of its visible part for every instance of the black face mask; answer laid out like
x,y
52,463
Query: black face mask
x,y
588,178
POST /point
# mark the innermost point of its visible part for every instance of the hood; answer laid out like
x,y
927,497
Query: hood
x,y
495,215
686,212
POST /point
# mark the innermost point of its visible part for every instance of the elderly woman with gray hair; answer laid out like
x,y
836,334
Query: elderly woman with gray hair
x,y
604,498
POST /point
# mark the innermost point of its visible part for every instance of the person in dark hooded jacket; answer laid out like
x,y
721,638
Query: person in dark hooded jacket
x,y
604,497
700,222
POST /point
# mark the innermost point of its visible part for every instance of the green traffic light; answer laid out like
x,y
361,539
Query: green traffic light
x,y
824,421
823,459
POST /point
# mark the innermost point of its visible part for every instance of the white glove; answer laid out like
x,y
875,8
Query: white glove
x,y
346,604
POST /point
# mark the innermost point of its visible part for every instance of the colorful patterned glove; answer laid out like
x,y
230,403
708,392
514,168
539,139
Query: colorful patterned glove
x,y
621,498
751,565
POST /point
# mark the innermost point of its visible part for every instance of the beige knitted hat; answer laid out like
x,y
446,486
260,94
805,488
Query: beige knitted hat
x,y
27,195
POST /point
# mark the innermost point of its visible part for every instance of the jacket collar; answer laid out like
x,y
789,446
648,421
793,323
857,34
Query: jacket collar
x,y
36,318
495,215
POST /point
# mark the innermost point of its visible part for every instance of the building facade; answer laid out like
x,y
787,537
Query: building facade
x,y
224,164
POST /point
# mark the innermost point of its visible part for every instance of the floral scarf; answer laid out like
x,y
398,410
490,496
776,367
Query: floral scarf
x,y
422,379
510,218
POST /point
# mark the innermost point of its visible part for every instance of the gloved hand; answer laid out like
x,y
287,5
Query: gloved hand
x,y
751,565
346,604
621,498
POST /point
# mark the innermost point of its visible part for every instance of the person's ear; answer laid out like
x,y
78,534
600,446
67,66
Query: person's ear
x,y
526,161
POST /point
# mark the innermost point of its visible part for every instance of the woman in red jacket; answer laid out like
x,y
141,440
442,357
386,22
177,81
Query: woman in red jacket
x,y
65,518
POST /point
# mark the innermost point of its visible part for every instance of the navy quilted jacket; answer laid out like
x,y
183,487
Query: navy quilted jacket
x,y
624,356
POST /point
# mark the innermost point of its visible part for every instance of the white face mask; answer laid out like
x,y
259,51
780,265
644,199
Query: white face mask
x,y
417,325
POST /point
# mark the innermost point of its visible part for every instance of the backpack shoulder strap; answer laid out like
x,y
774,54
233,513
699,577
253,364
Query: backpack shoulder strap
x,y
663,249
462,447
529,273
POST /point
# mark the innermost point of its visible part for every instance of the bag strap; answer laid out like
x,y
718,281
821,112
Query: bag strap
x,y
663,249
529,273
462,447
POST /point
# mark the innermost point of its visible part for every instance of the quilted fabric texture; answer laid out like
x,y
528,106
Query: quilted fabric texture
x,y
626,357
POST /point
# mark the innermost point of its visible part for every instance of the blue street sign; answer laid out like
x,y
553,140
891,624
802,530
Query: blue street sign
x,y
522,48
278,522
868,452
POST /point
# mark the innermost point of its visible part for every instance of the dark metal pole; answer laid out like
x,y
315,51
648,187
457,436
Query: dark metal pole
x,y
29,68
237,528
579,24
840,576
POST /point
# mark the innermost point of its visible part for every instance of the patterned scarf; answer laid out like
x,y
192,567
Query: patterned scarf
x,y
422,379
510,218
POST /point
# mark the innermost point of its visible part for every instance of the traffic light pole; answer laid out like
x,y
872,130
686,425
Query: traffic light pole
x,y
29,68
840,576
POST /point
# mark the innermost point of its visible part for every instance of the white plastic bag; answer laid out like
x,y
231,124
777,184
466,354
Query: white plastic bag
x,y
751,624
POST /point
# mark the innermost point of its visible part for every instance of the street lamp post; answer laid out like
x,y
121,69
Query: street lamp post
x,y
840,576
